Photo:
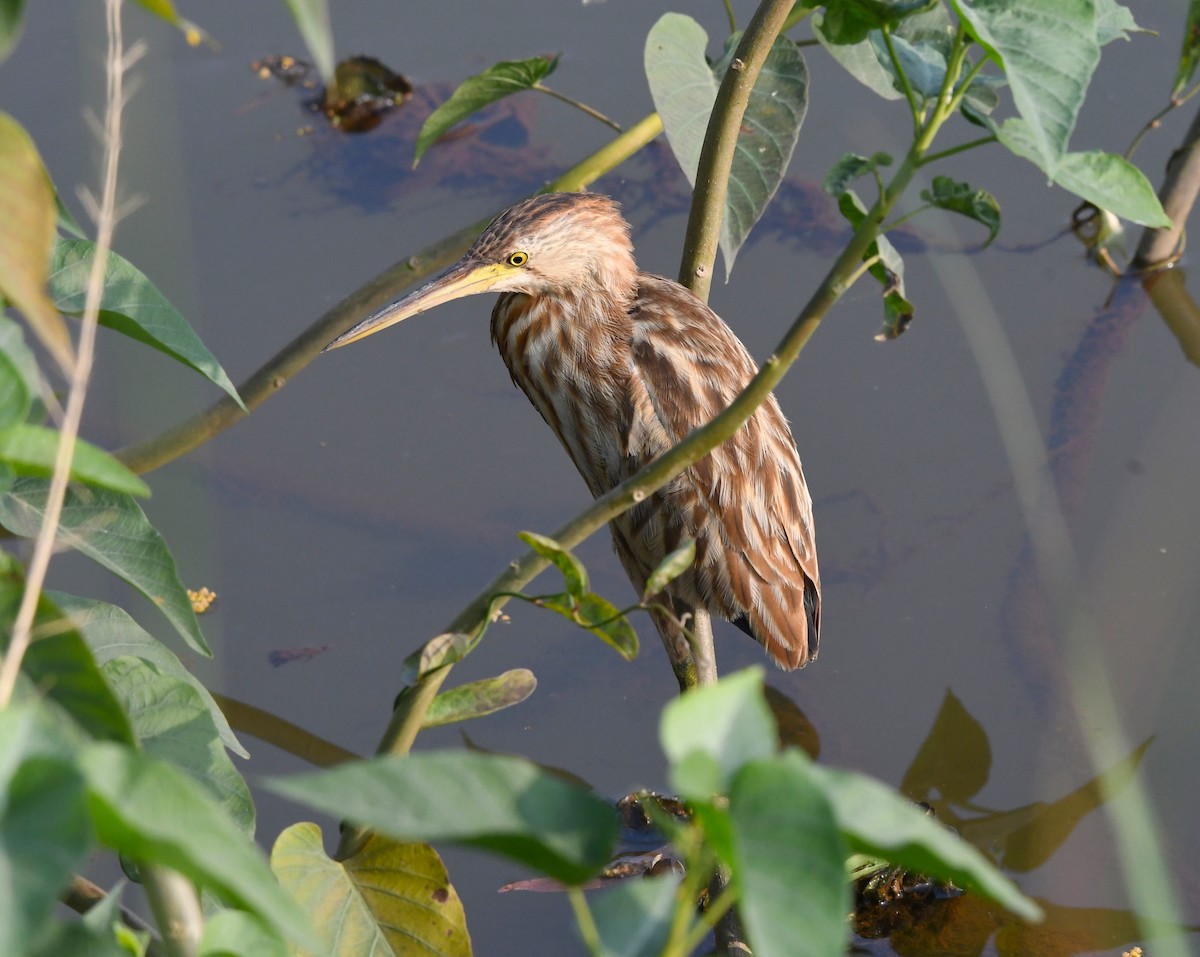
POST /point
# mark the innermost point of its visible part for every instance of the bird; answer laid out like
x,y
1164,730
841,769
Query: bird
x,y
622,365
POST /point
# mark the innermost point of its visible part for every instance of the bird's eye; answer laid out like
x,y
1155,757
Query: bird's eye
x,y
518,259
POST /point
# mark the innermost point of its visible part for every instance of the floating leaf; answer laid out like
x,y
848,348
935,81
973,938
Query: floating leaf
x,y
137,803
474,93
32,450
503,804
976,204
477,699
44,831
729,722
110,529
575,576
27,218
670,568
133,306
684,88
788,859
110,633
389,898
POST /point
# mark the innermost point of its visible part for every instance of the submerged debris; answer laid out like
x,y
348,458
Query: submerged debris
x,y
362,92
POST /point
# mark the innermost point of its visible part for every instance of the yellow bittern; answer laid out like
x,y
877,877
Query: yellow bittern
x,y
622,365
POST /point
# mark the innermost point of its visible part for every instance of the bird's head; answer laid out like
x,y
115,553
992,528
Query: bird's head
x,y
553,244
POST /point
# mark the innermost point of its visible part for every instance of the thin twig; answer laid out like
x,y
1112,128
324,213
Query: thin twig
x,y
43,549
295,356
590,111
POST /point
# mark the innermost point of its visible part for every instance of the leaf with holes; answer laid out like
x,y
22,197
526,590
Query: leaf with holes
x,y
976,204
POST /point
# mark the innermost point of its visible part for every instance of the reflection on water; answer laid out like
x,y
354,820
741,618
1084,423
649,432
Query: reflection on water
x,y
363,504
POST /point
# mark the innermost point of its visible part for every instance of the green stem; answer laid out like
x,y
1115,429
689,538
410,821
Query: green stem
x,y
585,921
913,106
384,288
720,142
712,916
961,148
729,13
593,113
800,11
176,908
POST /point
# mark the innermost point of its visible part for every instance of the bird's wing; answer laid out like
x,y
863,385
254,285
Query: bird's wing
x,y
747,502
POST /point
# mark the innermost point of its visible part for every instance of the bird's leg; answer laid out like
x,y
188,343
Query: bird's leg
x,y
704,653
687,637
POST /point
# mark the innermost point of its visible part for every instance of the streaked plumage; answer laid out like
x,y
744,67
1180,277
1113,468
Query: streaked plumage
x,y
622,365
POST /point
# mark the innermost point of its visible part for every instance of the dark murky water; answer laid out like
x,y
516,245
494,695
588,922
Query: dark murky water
x,y
359,508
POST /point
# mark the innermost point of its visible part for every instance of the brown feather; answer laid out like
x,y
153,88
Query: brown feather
x,y
622,365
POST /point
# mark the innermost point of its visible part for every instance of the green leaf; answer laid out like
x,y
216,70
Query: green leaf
x,y
878,822
684,88
32,449
27,218
101,933
44,832
18,374
575,576
1048,53
473,94
849,168
111,633
597,615
438,652
153,813
670,568
1105,180
388,899
59,665
1189,55
729,721
888,270
503,804
312,19
111,530
173,723
477,699
12,13
634,918
976,204
849,21
131,305
789,860
1114,22
234,933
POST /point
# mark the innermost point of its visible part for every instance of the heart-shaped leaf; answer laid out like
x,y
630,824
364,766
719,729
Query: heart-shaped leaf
x,y
684,88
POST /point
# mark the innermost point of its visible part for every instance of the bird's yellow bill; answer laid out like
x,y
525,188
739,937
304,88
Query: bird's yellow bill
x,y
464,279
